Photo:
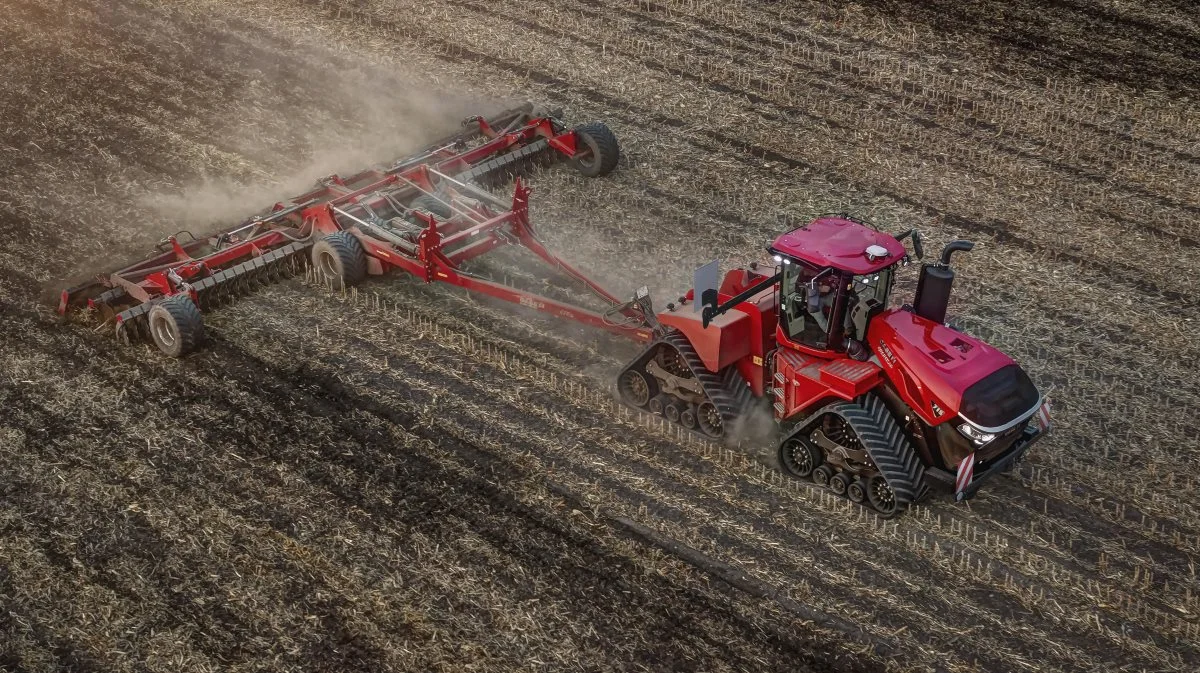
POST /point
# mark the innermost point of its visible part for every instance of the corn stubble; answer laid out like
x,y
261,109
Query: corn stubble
x,y
404,478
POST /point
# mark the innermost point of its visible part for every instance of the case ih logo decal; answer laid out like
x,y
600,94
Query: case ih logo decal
x,y
887,354
937,411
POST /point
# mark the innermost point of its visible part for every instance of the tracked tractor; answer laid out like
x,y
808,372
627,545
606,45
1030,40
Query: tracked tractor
x,y
875,402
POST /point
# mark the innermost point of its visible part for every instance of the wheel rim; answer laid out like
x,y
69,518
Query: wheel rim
x,y
709,419
855,492
656,406
821,476
672,413
688,419
328,265
674,363
798,459
164,331
634,389
881,495
586,154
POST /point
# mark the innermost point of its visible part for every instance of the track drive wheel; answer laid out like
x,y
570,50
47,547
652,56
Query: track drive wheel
x,y
798,457
636,388
597,150
176,325
341,259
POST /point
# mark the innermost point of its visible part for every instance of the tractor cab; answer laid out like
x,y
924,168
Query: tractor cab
x,y
836,273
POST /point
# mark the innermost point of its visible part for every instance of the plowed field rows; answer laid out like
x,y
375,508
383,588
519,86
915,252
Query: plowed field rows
x,y
408,478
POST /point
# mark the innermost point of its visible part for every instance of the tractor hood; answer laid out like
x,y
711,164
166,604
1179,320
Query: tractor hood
x,y
942,373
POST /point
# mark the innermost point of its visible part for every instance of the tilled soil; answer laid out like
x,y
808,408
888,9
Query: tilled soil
x,y
407,478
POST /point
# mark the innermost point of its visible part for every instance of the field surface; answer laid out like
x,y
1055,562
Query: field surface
x,y
407,478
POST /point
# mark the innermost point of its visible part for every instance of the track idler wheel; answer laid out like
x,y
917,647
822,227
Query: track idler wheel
x,y
798,457
822,475
856,492
708,419
340,259
637,388
688,419
880,496
176,325
597,151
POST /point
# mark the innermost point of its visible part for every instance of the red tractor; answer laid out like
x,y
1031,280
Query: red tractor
x,y
875,403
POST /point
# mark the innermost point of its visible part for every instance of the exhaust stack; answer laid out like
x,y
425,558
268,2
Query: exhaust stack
x,y
933,288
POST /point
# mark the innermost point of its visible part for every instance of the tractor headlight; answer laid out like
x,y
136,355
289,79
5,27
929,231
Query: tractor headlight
x,y
975,434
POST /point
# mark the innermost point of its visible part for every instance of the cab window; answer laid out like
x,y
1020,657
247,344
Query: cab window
x,y
874,286
808,303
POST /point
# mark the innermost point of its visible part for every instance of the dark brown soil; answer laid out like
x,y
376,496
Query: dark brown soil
x,y
410,479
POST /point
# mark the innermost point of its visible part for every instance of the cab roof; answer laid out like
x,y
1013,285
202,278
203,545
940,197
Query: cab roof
x,y
835,240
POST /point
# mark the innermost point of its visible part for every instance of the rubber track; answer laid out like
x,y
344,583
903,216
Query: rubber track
x,y
884,440
726,389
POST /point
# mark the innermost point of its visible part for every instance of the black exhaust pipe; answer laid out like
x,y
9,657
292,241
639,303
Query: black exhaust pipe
x,y
933,288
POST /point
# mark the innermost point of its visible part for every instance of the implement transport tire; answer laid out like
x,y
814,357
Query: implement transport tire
x,y
340,258
176,326
597,148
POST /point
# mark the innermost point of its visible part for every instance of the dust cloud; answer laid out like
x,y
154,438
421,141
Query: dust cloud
x,y
362,118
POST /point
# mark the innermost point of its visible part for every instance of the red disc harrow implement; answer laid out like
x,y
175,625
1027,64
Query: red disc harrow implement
x,y
426,214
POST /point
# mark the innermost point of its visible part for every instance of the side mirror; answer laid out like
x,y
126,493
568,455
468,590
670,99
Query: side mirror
x,y
918,245
814,298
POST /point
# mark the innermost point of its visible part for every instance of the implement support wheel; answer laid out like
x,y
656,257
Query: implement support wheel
x,y
176,325
597,151
340,258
